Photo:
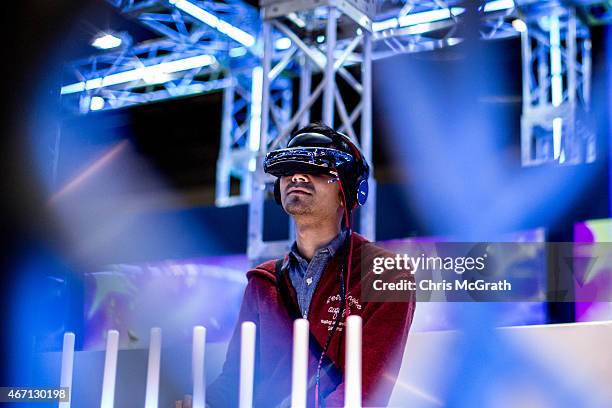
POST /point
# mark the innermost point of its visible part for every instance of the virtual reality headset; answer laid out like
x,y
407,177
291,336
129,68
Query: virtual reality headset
x,y
316,153
314,160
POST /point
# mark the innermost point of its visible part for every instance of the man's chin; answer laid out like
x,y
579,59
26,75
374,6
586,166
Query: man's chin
x,y
297,207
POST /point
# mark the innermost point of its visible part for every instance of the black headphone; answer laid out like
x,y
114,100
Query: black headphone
x,y
353,176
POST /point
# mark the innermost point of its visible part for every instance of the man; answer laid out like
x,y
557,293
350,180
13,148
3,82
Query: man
x,y
322,177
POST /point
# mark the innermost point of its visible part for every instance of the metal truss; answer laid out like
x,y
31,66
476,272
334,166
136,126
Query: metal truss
x,y
145,73
417,26
320,50
556,50
398,26
240,130
316,45
190,57
190,28
192,21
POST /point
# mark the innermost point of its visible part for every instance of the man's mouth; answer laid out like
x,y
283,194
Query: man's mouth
x,y
298,191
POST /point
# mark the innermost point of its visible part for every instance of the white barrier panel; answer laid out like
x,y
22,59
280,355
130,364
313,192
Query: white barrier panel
x,y
153,366
578,352
67,365
247,364
572,353
110,369
197,366
352,371
299,370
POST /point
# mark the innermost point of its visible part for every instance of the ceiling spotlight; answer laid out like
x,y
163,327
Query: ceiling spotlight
x,y
237,52
106,41
519,25
282,43
96,103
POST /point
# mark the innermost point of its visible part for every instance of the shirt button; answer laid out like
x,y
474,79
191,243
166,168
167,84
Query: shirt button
x,y
308,281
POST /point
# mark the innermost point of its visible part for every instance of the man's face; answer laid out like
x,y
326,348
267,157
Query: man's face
x,y
310,194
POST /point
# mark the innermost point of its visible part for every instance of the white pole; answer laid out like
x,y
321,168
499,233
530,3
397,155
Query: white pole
x,y
152,390
197,365
247,364
110,369
299,375
67,365
352,372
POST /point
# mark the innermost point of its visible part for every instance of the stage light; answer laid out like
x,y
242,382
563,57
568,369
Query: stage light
x,y
96,103
556,83
558,153
363,21
237,52
429,16
256,98
106,41
320,38
498,5
385,24
296,20
213,21
152,77
195,11
183,64
72,88
417,18
519,25
152,74
283,43
235,33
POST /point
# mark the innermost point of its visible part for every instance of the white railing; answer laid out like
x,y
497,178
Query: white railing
x,y
247,365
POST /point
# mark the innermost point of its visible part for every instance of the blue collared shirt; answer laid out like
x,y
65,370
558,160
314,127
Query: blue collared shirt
x,y
305,275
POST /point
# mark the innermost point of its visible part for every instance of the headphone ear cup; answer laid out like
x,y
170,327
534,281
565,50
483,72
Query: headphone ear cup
x,y
277,192
362,192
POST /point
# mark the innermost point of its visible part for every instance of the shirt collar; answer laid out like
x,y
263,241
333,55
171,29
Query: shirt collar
x,y
332,247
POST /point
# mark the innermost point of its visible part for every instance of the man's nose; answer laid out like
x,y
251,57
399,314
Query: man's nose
x,y
299,177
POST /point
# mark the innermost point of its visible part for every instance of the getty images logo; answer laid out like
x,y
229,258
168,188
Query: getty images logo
x,y
405,262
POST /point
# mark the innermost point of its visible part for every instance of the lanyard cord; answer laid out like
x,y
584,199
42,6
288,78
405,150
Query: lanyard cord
x,y
349,225
331,333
